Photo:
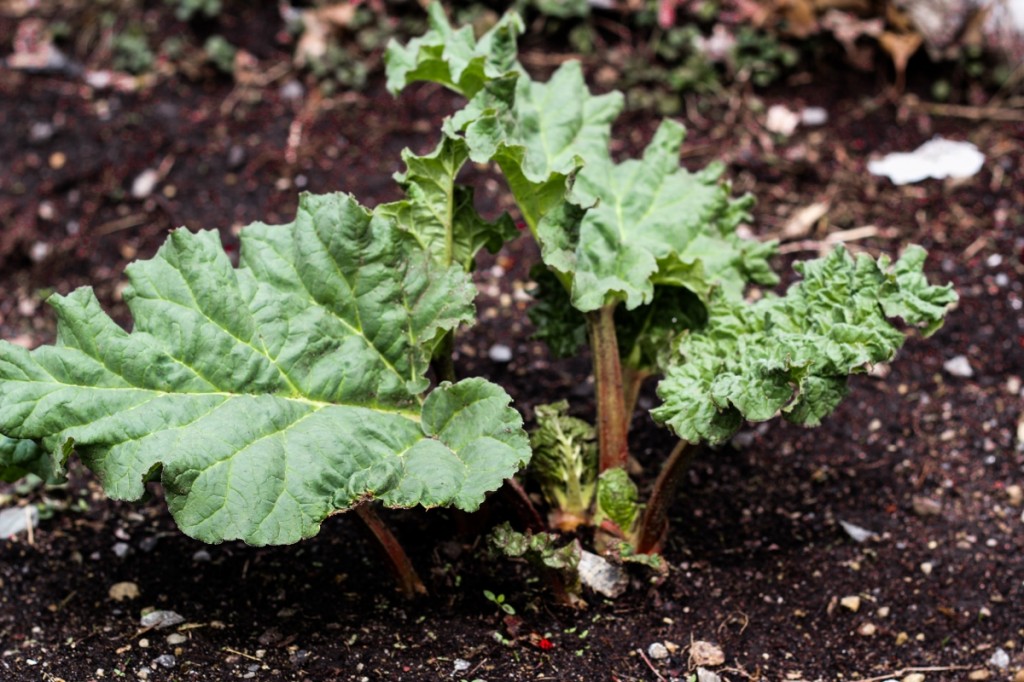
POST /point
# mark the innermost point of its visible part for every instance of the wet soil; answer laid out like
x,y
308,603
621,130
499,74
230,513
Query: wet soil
x,y
760,565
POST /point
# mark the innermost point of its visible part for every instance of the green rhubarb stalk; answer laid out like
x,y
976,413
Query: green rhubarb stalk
x,y
650,534
612,419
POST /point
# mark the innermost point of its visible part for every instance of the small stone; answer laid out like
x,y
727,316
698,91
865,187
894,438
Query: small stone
x,y
867,630
706,654
705,675
121,549
143,643
40,131
926,506
883,612
460,665
166,661
148,543
39,251
57,160
913,677
902,638
980,674
856,533
927,567
1015,495
122,591
1000,659
144,183
17,520
176,638
161,619
781,121
657,651
852,603
959,366
601,575
292,90
813,116
201,556
499,352
1019,677
142,674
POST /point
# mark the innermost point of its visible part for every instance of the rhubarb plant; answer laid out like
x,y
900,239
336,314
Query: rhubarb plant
x,y
316,376
642,260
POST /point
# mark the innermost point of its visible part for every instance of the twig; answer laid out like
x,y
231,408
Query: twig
x,y
240,653
906,671
834,238
972,113
650,665
28,527
124,223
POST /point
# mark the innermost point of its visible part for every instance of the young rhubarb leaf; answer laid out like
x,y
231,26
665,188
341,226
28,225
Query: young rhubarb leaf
x,y
267,396
617,498
565,462
454,58
792,354
439,214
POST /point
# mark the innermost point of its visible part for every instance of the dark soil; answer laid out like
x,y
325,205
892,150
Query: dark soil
x,y
759,563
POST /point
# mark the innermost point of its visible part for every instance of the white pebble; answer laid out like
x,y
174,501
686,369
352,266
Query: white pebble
x,y
959,366
499,352
657,651
1000,659
814,116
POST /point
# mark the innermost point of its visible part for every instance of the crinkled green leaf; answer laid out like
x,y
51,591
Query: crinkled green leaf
x,y
267,396
617,498
452,57
564,458
438,213
793,353
653,222
19,458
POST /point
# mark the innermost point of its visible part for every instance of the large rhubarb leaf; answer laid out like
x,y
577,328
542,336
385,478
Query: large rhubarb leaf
x,y
792,354
438,212
267,396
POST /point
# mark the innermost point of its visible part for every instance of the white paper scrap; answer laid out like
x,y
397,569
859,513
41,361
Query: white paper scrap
x,y
938,158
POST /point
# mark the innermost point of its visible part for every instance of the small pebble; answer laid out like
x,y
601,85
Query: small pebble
x,y
292,90
201,556
1019,677
166,661
40,131
814,116
959,366
1000,659
855,532
927,567
979,675
460,665
867,630
144,184
148,543
1015,495
705,675
176,638
926,506
121,549
161,619
852,603
500,353
913,677
705,653
657,651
